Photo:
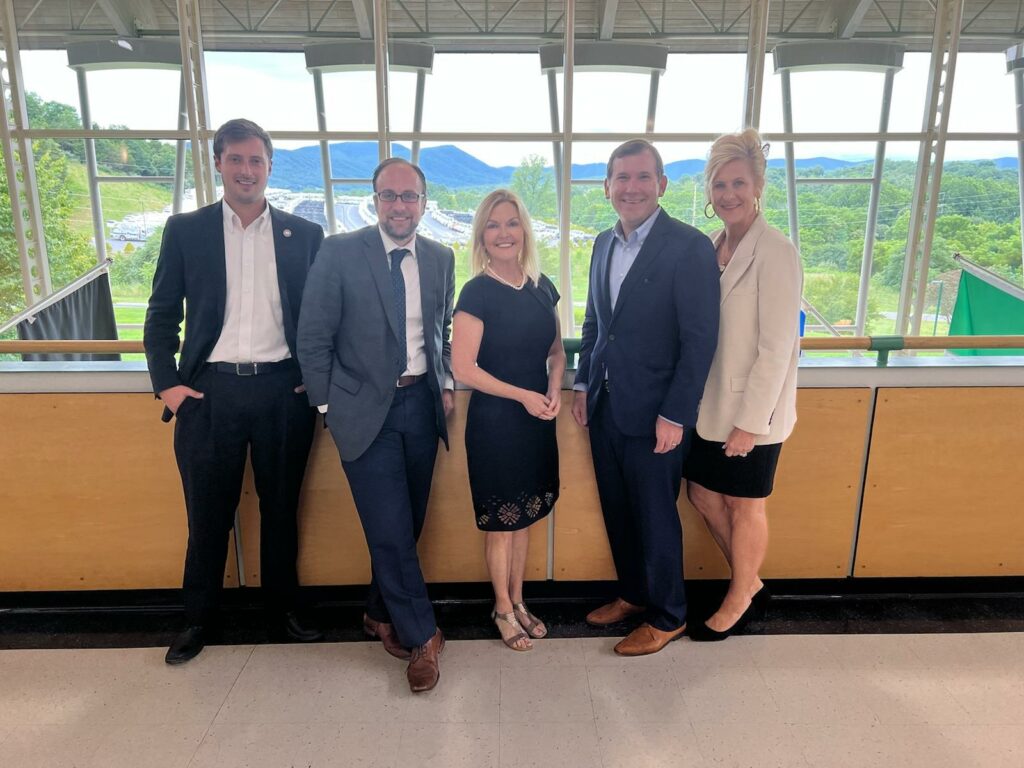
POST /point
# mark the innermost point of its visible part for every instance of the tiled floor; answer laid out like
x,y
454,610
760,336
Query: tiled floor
x,y
796,700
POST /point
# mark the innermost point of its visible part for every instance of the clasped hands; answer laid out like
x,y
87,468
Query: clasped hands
x,y
540,406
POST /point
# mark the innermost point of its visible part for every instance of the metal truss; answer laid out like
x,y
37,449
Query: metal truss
x,y
20,167
193,73
948,21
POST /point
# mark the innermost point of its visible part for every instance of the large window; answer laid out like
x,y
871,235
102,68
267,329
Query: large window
x,y
503,90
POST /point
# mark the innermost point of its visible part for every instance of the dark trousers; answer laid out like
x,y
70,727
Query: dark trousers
x,y
390,484
638,490
212,437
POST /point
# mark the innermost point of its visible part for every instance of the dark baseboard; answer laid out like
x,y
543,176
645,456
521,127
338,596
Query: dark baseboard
x,y
144,618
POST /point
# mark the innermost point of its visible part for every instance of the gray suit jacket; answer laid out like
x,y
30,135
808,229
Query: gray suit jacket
x,y
347,336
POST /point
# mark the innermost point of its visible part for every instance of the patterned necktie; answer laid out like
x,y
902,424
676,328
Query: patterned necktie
x,y
398,284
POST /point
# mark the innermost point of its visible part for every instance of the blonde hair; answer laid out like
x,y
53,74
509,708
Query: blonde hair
x,y
528,259
745,145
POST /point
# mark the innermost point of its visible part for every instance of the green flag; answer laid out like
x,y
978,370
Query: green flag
x,y
982,309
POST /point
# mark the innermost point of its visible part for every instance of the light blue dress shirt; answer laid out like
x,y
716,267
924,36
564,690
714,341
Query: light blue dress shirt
x,y
624,253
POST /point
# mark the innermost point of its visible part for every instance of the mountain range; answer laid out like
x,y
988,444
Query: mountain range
x,y
449,166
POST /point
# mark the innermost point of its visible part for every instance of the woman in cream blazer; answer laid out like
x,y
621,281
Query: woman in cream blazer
x,y
749,403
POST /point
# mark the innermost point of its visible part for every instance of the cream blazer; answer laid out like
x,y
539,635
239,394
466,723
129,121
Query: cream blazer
x,y
752,383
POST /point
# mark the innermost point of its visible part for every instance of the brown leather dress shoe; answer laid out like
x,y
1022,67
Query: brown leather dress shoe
x,y
424,668
386,634
612,613
646,639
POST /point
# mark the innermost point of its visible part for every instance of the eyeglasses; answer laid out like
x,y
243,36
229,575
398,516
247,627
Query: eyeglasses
x,y
389,196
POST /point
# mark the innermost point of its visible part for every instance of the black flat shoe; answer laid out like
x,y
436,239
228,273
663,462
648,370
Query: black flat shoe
x,y
187,645
761,599
702,633
292,628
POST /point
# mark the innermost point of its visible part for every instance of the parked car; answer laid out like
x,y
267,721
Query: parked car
x,y
127,231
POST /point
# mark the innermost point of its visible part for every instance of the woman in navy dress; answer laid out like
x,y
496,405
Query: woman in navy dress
x,y
507,346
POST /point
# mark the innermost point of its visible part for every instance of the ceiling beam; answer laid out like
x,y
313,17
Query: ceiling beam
x,y
364,17
145,15
606,19
121,16
843,17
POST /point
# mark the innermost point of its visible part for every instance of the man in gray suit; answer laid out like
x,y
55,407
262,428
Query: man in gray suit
x,y
373,344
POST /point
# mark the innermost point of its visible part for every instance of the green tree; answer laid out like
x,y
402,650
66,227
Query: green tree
x,y
535,185
70,254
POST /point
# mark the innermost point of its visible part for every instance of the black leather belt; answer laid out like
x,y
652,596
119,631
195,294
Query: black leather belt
x,y
407,381
254,369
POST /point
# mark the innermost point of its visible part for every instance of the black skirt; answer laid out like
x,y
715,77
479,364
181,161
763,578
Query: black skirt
x,y
750,477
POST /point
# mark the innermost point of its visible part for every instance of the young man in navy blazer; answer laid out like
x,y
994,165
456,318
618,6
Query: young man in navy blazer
x,y
239,266
649,336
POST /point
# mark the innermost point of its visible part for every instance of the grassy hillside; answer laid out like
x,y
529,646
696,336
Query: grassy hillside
x,y
118,200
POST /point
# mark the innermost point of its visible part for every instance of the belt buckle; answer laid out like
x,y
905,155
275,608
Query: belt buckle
x,y
246,369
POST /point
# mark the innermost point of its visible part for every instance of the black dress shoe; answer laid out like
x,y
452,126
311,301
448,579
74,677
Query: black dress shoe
x,y
187,645
293,628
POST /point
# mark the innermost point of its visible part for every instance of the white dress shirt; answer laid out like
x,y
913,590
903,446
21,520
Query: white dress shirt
x,y
415,345
416,360
253,330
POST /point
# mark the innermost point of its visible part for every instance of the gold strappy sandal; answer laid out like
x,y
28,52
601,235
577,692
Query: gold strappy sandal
x,y
534,627
510,641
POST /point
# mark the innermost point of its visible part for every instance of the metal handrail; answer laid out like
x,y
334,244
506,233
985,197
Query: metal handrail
x,y
883,345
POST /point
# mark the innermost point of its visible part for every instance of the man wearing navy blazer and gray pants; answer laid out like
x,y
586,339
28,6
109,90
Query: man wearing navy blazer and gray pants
x,y
375,352
239,268
649,336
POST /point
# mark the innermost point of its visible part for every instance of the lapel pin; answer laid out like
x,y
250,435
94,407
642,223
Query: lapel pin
x,y
287,233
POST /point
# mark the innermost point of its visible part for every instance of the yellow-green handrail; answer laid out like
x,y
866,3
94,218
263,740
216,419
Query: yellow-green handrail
x,y
881,344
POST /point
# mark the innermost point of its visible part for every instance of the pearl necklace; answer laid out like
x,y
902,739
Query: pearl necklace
x,y
503,281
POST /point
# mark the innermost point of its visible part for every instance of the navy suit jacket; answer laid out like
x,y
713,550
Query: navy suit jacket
x,y
655,348
191,269
348,334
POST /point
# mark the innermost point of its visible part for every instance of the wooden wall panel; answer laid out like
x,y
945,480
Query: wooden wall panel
x,y
811,513
944,484
91,494
92,498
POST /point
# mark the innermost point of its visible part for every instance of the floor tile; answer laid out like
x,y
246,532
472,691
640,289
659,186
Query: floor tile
x,y
872,651
544,745
875,746
731,654
463,695
910,697
473,653
985,650
449,745
648,745
324,682
636,695
279,745
727,695
786,651
990,696
545,695
151,745
750,745
50,746
562,652
815,696
116,685
986,746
